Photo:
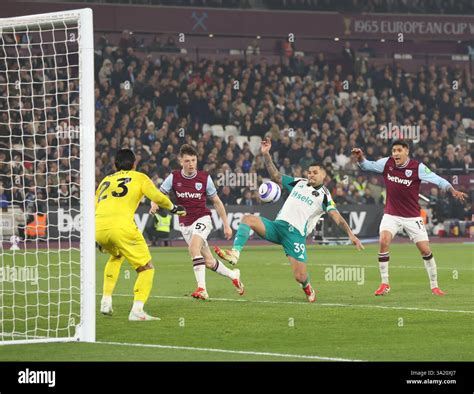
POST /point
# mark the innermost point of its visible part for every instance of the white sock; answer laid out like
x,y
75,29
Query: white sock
x,y
107,299
199,267
221,269
137,306
430,265
383,266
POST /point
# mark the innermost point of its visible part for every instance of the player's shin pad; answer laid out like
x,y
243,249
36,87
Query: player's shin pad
x,y
242,236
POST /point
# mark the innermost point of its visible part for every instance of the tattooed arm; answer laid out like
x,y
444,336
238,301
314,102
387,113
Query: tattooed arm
x,y
339,220
275,175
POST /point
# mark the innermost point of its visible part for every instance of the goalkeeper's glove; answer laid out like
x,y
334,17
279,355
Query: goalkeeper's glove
x,y
178,210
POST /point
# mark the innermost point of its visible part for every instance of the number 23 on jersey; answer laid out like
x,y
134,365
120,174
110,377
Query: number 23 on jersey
x,y
120,190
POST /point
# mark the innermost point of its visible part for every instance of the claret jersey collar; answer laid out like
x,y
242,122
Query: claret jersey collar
x,y
404,164
188,176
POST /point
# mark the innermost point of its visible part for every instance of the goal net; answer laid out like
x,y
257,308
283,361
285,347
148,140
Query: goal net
x,y
47,178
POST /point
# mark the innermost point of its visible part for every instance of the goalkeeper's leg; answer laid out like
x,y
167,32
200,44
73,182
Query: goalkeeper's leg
x,y
133,246
249,222
111,274
142,290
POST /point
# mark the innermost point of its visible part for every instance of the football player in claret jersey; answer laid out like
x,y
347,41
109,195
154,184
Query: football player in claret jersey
x,y
307,202
117,199
192,188
402,177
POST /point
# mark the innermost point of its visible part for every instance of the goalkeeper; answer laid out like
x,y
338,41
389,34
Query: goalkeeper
x,y
117,199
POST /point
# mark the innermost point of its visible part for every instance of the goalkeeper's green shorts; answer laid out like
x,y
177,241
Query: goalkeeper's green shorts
x,y
284,234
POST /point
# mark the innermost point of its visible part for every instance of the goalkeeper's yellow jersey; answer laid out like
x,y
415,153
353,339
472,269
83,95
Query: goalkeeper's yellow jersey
x,y
118,196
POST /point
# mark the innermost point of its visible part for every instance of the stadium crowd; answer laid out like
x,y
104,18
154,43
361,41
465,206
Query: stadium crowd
x,y
155,105
39,163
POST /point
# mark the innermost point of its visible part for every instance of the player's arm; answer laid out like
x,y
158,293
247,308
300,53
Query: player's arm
x,y
165,189
275,175
330,208
425,174
368,165
219,206
160,199
342,224
211,193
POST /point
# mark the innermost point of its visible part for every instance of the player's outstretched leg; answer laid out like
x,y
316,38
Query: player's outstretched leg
x,y
219,267
430,265
142,290
249,222
111,274
384,257
199,267
302,277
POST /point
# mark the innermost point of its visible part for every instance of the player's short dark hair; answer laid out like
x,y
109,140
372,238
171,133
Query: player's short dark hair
x,y
124,160
400,142
317,164
187,149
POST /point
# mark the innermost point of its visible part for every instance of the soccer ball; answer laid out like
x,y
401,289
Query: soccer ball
x,y
269,192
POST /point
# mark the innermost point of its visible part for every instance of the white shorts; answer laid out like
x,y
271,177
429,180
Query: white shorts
x,y
201,227
414,227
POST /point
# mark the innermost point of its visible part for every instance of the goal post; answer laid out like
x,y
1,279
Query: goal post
x,y
86,329
47,178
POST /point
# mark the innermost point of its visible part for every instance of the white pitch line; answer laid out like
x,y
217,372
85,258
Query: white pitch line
x,y
357,265
407,308
376,266
212,350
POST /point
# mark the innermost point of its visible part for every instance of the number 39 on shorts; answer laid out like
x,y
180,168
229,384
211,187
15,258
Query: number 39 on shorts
x,y
299,247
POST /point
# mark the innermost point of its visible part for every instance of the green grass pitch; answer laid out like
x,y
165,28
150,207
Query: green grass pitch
x,y
273,321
